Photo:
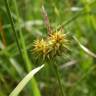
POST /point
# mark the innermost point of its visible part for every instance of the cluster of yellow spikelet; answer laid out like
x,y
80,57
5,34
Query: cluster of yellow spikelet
x,y
54,44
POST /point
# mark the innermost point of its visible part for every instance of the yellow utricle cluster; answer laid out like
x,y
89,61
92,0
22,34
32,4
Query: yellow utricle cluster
x,y
50,47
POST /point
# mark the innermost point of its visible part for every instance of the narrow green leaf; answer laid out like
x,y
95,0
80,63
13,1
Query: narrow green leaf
x,y
25,80
85,49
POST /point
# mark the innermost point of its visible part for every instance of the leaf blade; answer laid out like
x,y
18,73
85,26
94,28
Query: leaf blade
x,y
24,81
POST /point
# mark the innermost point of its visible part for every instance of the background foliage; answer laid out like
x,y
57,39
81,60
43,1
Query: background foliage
x,y
77,67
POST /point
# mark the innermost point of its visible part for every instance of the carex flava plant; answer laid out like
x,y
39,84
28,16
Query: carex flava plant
x,y
53,45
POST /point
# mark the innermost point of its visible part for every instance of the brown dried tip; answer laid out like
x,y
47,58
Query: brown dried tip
x,y
3,36
46,20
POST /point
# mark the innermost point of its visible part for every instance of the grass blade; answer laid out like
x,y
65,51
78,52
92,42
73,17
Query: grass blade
x,y
85,49
12,25
26,79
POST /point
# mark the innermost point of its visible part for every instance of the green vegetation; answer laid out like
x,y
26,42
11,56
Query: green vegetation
x,y
57,33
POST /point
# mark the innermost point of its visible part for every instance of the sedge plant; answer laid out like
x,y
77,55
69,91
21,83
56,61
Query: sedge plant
x,y
50,47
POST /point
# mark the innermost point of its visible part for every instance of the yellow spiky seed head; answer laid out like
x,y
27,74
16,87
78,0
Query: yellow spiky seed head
x,y
40,47
54,45
57,42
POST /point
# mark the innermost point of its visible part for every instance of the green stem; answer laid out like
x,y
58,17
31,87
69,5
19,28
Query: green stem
x,y
24,52
34,86
59,81
35,89
12,25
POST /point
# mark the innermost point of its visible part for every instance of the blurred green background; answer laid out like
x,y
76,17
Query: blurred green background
x,y
77,67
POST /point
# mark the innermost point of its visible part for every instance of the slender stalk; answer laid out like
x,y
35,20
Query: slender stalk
x,y
24,52
22,41
53,65
58,78
12,25
34,87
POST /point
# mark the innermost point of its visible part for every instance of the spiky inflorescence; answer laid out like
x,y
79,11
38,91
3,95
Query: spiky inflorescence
x,y
40,47
57,42
54,45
